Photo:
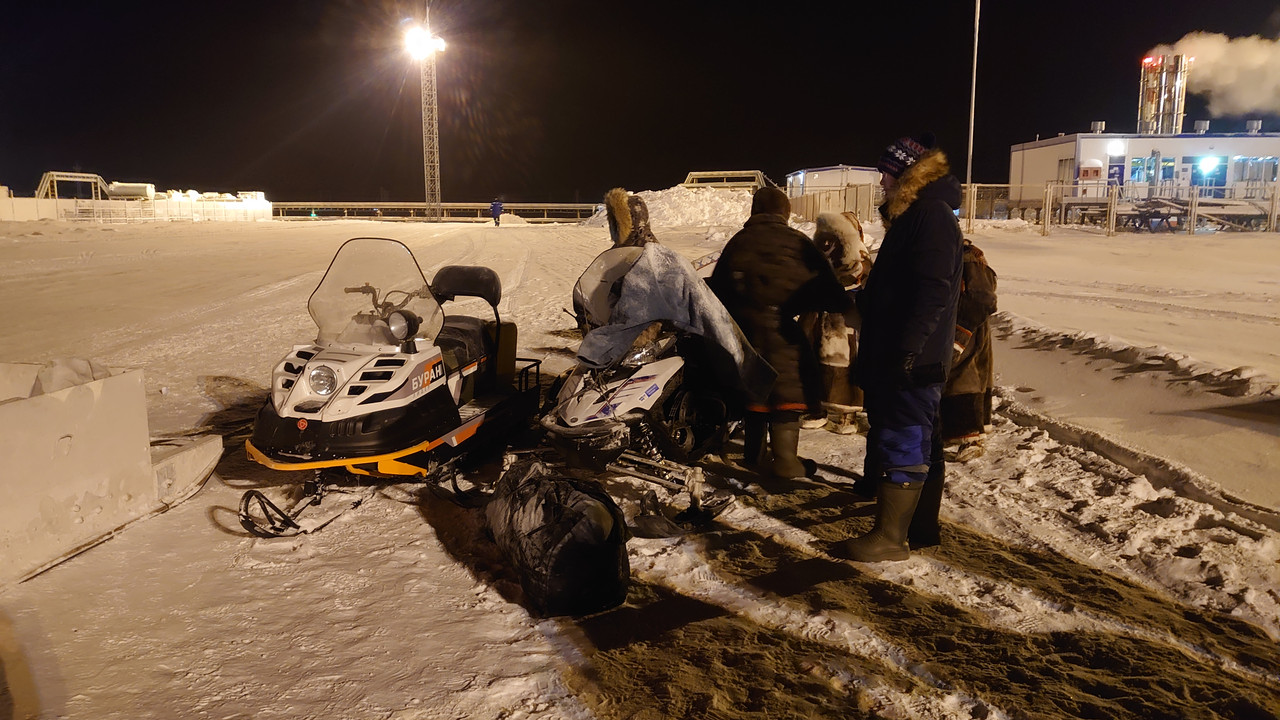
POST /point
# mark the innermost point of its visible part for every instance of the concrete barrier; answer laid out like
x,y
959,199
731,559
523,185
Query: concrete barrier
x,y
79,466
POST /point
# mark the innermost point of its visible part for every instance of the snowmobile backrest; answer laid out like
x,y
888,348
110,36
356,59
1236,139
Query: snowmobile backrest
x,y
469,281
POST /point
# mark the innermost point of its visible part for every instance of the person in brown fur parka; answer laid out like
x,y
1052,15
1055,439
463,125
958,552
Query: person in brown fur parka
x,y
966,399
839,237
628,219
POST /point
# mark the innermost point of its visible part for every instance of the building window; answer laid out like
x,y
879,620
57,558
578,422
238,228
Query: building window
x,y
1138,170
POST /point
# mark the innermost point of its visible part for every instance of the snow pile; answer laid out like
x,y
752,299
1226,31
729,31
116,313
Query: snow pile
x,y
681,207
1012,225
510,219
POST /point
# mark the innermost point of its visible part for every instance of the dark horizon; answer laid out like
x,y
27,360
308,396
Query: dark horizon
x,y
563,99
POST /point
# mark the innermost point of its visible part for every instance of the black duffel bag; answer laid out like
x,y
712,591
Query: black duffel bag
x,y
566,538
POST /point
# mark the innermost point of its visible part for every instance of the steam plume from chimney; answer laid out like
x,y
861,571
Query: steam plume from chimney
x,y
1238,76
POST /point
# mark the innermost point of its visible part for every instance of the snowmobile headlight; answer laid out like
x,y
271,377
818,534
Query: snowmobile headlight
x,y
323,380
646,353
403,325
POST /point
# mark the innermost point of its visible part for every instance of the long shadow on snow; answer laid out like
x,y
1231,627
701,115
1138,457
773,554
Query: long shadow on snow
x,y
1032,674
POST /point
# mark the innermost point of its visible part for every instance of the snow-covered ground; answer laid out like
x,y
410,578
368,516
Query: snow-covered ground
x,y
1097,561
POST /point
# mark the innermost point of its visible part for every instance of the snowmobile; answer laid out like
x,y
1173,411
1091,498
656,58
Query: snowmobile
x,y
392,389
660,375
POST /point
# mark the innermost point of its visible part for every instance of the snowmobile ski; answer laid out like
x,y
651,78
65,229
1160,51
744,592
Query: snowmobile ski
x,y
265,519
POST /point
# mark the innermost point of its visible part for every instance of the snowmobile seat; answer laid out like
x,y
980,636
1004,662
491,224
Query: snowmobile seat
x,y
452,281
462,340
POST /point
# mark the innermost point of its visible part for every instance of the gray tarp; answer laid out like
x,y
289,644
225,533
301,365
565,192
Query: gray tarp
x,y
663,286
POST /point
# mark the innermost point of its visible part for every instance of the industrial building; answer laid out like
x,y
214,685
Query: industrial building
x,y
831,177
1157,161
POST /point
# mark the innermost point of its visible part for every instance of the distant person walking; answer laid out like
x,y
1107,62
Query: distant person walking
x,y
768,275
495,210
966,399
908,311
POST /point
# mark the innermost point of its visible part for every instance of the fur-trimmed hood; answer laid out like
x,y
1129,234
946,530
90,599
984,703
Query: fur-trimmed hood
x,y
839,237
930,168
628,219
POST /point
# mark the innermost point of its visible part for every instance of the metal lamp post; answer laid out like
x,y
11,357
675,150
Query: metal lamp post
x,y
423,46
973,91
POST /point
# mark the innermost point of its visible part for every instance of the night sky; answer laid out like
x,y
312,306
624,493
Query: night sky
x,y
559,100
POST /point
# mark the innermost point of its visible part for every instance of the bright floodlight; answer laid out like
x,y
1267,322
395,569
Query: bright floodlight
x,y
1115,148
421,43
1207,164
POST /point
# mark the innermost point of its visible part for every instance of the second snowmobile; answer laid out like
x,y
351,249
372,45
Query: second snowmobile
x,y
663,371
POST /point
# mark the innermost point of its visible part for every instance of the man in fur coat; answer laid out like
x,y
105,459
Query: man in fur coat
x,y
839,237
908,310
767,276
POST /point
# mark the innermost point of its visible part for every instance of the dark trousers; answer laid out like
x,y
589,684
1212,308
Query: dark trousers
x,y
905,439
905,445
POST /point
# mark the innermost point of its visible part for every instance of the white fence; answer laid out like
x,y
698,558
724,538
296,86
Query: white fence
x,y
861,199
125,211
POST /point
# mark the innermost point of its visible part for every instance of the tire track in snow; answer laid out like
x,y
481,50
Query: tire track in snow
x,y
117,340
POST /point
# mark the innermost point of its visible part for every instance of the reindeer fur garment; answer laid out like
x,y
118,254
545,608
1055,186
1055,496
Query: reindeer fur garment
x,y
628,219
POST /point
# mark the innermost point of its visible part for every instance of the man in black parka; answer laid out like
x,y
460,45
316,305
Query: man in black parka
x,y
768,274
908,310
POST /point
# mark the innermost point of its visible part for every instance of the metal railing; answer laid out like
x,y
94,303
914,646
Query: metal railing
x,y
449,212
1252,207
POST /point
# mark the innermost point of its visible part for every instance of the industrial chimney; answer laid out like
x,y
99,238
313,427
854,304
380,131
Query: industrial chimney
x,y
1253,127
1202,127
1097,126
1162,92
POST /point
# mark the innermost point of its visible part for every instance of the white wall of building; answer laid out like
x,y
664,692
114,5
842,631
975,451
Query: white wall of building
x,y
1238,161
834,177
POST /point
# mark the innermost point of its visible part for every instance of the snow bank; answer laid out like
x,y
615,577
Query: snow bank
x,y
1233,382
681,206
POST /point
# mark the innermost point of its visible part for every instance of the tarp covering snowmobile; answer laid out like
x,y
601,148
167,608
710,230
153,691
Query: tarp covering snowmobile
x,y
662,286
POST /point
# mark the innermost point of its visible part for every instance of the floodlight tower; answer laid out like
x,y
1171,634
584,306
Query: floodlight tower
x,y
423,46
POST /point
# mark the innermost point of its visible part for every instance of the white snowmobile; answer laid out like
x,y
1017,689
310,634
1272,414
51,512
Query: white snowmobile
x,y
392,389
661,375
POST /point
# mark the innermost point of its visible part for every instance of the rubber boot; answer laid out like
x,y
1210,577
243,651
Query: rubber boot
x,y
867,485
784,440
888,539
924,531
754,427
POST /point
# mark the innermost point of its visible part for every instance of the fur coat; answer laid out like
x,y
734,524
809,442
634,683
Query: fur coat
x,y
628,218
966,400
839,237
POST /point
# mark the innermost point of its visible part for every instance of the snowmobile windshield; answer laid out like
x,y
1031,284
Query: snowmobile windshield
x,y
600,285
372,286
